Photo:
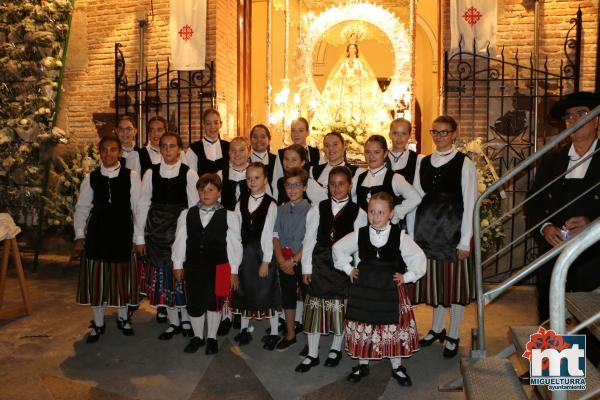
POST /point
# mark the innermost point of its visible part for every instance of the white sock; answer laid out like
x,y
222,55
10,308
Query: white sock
x,y
361,361
122,314
98,315
456,314
244,323
227,315
299,311
396,362
313,346
212,319
173,318
185,317
439,318
336,344
274,322
198,325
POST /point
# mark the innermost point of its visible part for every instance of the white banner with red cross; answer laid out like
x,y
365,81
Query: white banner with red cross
x,y
187,34
473,20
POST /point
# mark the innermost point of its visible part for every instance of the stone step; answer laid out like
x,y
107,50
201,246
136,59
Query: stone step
x,y
487,378
584,305
520,337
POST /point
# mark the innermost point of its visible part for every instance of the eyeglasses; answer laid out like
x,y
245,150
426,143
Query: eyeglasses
x,y
296,185
442,133
570,116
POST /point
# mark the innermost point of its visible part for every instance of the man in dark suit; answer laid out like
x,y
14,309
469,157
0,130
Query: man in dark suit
x,y
584,274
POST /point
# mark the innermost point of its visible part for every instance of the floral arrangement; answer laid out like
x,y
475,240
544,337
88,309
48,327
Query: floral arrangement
x,y
32,38
354,135
67,177
491,207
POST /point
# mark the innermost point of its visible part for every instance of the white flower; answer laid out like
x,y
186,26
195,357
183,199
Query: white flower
x,y
474,146
24,121
350,129
484,223
58,63
8,162
481,187
47,62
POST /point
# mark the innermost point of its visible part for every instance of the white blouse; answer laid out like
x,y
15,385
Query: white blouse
x,y
469,194
312,227
166,171
347,247
266,238
234,239
86,196
155,155
401,188
317,190
132,159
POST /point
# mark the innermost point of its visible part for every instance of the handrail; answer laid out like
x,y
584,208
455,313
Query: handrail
x,y
479,348
589,236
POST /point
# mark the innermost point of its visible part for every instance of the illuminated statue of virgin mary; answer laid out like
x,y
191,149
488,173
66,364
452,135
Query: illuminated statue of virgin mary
x,y
352,96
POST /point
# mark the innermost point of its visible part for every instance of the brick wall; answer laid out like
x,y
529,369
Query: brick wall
x,y
89,74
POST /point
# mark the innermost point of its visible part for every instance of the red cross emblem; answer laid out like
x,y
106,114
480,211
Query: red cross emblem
x,y
186,32
472,16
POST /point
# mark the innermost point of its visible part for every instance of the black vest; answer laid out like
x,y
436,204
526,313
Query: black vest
x,y
228,199
362,192
388,253
204,164
408,172
205,245
445,179
313,157
170,190
253,223
145,160
332,228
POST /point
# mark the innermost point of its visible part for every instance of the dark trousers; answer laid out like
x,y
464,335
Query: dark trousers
x,y
289,287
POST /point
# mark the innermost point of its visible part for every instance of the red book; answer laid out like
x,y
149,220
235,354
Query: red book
x,y
287,253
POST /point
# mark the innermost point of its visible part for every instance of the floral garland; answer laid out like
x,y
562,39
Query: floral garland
x,y
32,34
491,207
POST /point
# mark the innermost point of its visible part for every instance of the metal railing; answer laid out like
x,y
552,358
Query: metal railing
x,y
479,345
588,237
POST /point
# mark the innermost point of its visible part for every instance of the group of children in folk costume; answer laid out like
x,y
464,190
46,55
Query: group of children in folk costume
x,y
370,215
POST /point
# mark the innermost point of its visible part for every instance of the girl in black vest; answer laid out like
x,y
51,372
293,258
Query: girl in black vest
x,y
207,239
167,189
104,223
234,175
379,319
127,133
209,154
255,283
299,131
260,140
400,159
378,178
294,156
335,151
447,180
326,223
150,154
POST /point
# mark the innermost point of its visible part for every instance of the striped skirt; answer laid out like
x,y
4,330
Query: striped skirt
x,y
257,314
163,290
108,283
324,316
445,283
374,341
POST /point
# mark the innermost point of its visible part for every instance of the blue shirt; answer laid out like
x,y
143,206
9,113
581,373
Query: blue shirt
x,y
290,224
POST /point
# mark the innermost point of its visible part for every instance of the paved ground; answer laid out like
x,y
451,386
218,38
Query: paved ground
x,y
44,355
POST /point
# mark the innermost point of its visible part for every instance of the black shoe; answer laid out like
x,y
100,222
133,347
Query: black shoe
x,y
98,330
161,315
285,343
436,336
237,321
525,378
121,325
358,372
333,361
224,327
194,345
243,338
304,352
166,335
298,327
270,342
403,381
302,367
131,310
212,346
451,353
186,329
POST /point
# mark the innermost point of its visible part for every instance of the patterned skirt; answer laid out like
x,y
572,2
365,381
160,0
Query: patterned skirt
x,y
445,283
162,289
112,283
324,316
374,341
